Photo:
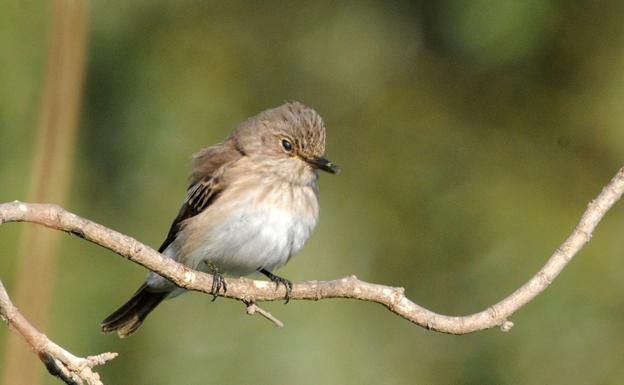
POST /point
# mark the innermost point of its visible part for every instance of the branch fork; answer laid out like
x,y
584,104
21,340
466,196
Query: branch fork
x,y
70,369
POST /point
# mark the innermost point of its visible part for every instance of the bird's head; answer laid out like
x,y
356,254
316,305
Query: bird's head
x,y
291,134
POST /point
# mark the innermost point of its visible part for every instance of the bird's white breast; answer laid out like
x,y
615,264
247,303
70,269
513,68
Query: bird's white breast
x,y
249,229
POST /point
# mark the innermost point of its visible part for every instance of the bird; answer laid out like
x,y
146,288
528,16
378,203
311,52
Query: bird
x,y
251,204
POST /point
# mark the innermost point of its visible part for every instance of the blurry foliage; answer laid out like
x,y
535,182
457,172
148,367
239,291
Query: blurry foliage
x,y
471,135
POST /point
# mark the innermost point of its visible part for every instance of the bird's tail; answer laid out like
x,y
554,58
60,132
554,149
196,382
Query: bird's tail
x,y
127,319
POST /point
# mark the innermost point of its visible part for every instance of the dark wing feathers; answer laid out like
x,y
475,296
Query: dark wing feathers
x,y
200,195
185,212
208,165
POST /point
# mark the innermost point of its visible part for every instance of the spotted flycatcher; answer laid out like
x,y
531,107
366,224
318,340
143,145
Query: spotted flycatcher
x,y
251,205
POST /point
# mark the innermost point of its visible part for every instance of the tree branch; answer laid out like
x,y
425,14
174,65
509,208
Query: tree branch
x,y
251,292
59,362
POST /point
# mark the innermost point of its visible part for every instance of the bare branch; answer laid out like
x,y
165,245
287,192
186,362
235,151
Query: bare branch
x,y
250,291
59,362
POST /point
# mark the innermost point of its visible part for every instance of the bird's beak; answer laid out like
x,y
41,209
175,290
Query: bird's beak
x,y
323,164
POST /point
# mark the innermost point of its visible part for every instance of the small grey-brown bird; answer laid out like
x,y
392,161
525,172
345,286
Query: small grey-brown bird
x,y
251,205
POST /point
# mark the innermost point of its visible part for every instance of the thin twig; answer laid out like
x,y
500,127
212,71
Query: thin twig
x,y
253,308
59,362
393,298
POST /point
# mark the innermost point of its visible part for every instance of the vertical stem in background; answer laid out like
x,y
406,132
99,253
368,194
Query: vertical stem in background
x,y
49,178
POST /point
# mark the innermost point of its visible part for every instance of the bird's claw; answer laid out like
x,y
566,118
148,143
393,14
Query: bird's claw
x,y
287,285
218,282
279,280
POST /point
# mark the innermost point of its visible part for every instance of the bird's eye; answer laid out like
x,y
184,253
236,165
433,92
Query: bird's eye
x,y
287,145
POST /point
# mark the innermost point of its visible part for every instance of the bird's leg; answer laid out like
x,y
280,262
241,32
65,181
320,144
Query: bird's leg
x,y
218,281
279,280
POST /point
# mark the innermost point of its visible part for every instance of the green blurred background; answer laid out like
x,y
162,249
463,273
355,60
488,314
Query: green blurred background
x,y
471,136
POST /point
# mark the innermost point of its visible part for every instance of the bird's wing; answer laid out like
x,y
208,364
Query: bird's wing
x,y
209,165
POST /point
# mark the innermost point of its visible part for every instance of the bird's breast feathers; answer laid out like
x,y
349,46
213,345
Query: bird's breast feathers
x,y
250,229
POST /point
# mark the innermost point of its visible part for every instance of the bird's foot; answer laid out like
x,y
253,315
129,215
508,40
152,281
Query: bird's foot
x,y
279,280
218,282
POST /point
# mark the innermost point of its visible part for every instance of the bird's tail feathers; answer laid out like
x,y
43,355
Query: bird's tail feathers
x,y
127,319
